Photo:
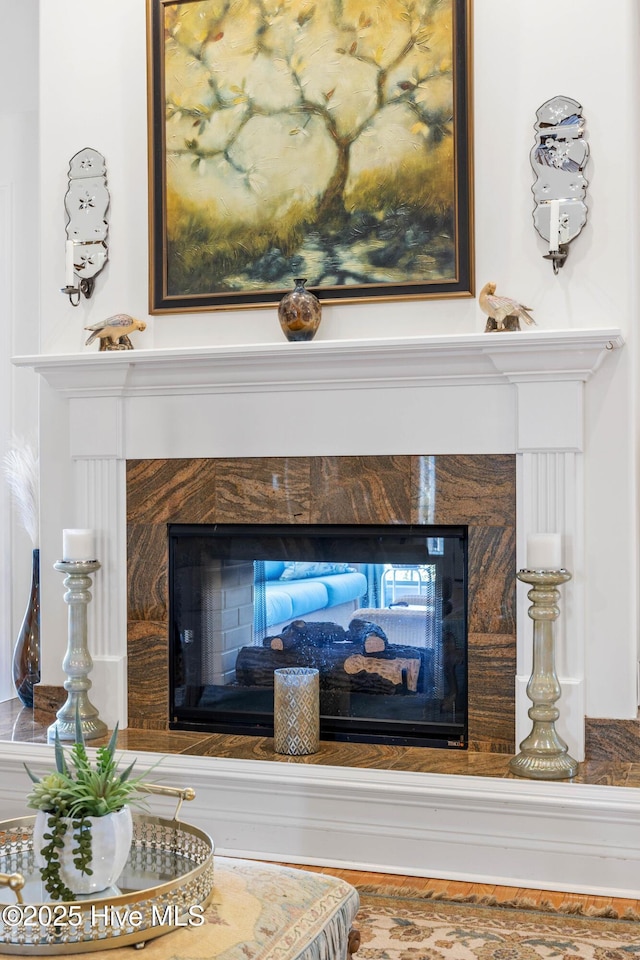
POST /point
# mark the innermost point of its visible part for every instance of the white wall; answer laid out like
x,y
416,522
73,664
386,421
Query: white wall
x,y
93,93
524,54
19,308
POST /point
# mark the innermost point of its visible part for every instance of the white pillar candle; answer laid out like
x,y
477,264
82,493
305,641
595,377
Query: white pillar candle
x,y
78,545
544,551
69,277
554,225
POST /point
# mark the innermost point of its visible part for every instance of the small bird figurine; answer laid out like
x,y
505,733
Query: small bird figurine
x,y
499,308
113,332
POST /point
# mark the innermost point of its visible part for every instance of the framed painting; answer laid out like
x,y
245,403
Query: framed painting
x,y
326,139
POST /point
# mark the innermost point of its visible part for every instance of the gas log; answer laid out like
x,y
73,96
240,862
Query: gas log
x,y
359,659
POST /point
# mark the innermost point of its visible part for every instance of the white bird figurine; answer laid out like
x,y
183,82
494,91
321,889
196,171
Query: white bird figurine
x,y
113,332
499,308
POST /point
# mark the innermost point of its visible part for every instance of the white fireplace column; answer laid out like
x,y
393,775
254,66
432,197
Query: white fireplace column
x,y
550,499
99,482
519,393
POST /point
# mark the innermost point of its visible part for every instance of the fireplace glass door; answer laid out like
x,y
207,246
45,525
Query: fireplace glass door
x,y
379,611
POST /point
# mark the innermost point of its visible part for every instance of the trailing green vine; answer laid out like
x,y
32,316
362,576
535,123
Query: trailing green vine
x,y
82,854
50,873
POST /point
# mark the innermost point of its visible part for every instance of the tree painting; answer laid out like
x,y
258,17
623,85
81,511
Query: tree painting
x,y
312,138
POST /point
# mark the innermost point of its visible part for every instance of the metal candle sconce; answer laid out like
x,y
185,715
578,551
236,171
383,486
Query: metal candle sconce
x,y
86,203
558,158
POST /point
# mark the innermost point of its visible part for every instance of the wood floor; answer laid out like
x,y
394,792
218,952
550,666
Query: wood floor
x,y
455,888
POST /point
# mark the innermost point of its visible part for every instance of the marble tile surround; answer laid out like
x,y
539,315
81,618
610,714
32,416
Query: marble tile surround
x,y
18,723
475,490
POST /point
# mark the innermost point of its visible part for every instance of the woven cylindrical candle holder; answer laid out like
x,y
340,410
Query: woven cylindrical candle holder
x,y
296,710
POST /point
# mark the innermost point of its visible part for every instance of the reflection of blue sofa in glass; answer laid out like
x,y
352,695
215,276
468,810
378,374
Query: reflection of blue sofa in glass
x,y
293,589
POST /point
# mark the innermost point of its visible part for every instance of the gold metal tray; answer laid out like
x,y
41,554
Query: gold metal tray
x,y
166,884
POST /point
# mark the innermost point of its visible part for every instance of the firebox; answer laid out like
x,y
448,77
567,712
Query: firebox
x,y
380,611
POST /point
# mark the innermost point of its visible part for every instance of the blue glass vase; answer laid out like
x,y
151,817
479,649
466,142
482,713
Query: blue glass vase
x,y
26,653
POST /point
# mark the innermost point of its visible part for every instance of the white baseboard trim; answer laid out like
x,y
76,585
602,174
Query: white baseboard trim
x,y
556,836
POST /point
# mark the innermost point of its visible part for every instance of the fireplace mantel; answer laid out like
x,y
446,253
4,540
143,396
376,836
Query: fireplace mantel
x,y
463,360
515,392
501,393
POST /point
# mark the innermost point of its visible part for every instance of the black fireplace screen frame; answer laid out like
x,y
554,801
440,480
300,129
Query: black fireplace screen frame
x,y
195,705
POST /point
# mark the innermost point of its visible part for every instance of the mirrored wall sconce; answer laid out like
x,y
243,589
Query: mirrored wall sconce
x,y
558,157
86,202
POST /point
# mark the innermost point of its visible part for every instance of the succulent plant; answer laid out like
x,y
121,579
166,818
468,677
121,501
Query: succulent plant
x,y
73,792
50,793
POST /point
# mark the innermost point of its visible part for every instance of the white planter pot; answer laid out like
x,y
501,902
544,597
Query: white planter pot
x,y
110,845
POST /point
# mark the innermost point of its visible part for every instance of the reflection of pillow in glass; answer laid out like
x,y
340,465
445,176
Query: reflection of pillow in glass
x,y
297,570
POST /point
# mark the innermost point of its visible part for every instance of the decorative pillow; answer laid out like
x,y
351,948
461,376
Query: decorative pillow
x,y
297,570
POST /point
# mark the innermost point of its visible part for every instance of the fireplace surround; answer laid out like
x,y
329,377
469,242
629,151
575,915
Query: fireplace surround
x,y
474,491
517,395
467,394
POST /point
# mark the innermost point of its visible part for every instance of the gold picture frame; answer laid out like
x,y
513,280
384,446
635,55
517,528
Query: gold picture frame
x,y
321,138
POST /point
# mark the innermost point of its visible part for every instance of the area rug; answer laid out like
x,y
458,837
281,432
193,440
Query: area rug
x,y
406,926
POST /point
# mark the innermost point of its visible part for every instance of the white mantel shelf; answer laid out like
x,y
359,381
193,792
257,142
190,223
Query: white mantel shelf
x,y
463,359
